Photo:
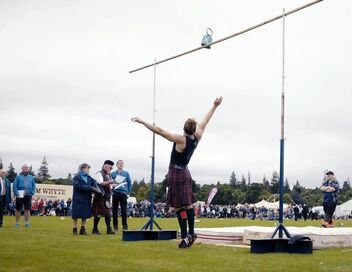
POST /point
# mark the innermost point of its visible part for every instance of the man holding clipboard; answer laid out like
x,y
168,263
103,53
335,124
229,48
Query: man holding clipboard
x,y
24,189
121,190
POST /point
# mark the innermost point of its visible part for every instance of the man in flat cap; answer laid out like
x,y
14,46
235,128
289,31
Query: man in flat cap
x,y
330,189
102,203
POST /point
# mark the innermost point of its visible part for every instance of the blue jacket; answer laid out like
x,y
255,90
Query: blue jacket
x,y
82,196
8,190
19,184
126,189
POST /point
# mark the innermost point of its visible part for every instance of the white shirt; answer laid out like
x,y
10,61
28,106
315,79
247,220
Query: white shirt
x,y
3,186
99,178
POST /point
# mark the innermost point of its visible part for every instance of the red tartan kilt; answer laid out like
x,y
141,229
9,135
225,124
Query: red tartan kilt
x,y
98,207
180,192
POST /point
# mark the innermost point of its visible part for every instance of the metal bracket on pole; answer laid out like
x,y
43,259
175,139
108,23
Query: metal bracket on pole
x,y
230,36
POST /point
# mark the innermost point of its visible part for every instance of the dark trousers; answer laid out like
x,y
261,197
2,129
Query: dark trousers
x,y
296,216
2,208
119,199
329,209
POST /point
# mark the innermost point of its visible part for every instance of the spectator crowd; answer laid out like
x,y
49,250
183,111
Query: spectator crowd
x,y
60,207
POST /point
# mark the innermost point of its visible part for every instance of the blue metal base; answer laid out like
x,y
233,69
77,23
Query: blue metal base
x,y
150,224
281,229
142,235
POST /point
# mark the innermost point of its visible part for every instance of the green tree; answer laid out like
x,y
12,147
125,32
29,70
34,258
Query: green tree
x,y
275,184
287,198
225,195
243,183
287,188
135,188
11,174
233,180
159,192
31,171
238,196
346,186
143,191
297,187
43,171
266,183
254,192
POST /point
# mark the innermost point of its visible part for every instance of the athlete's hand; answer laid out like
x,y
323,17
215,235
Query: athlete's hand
x,y
217,101
137,120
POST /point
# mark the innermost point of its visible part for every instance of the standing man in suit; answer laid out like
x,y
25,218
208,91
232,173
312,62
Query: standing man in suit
x,y
5,193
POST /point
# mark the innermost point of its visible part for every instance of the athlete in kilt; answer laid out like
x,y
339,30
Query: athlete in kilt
x,y
102,203
180,194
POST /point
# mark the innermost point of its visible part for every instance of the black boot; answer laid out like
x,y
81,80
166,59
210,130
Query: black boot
x,y
125,227
193,239
74,231
185,242
116,228
182,220
108,227
95,228
95,232
83,231
110,231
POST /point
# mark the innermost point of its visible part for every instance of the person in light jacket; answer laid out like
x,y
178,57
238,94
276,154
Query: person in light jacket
x,y
24,189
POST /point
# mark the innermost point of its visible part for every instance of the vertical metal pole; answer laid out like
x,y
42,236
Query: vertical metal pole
x,y
153,158
282,140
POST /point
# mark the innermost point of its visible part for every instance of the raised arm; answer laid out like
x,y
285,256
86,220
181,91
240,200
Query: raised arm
x,y
175,138
207,117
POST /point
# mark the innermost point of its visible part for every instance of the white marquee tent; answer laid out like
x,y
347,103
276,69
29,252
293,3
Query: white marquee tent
x,y
344,210
269,205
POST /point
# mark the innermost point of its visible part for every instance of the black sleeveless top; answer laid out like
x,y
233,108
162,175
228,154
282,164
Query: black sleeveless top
x,y
182,159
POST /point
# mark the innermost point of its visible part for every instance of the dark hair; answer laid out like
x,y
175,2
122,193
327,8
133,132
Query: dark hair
x,y
190,126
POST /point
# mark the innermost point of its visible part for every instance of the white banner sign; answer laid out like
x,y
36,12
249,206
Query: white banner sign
x,y
52,191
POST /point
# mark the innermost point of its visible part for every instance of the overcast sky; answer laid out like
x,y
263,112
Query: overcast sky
x,y
66,92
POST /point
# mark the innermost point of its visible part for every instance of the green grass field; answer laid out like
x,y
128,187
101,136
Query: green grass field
x,y
49,246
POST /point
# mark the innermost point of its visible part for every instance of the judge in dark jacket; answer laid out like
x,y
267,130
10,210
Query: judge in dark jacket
x,y
83,187
5,193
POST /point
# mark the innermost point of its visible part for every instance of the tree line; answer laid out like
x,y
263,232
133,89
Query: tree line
x,y
244,190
